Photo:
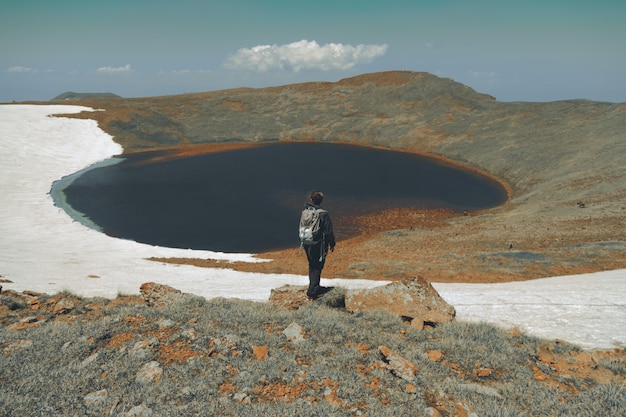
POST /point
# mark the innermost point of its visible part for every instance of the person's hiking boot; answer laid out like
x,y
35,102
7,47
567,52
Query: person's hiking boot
x,y
320,293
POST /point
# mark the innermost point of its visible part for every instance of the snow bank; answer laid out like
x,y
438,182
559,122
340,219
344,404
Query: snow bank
x,y
586,309
43,249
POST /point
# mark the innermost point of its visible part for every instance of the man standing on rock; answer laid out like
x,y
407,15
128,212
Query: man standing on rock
x,y
323,239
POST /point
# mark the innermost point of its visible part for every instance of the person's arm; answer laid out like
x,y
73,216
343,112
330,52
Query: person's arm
x,y
330,235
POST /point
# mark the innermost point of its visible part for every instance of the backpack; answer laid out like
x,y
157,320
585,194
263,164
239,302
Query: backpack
x,y
309,231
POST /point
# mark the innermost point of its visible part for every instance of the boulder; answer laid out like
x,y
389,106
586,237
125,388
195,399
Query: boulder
x,y
290,297
414,299
159,295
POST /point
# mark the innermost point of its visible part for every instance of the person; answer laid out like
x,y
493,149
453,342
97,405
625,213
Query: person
x,y
316,254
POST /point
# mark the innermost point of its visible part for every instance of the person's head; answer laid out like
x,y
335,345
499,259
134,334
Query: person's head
x,y
317,197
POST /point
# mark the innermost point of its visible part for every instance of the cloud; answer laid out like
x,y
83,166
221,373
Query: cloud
x,y
303,55
112,70
20,69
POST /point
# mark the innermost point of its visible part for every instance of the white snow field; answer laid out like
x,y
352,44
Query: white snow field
x,y
43,249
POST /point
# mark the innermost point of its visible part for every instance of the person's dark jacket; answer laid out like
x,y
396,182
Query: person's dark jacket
x,y
326,227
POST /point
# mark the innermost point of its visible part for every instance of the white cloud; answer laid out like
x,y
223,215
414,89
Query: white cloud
x,y
303,55
115,70
20,69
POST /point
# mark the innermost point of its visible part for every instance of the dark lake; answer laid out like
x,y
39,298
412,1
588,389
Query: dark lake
x,y
249,200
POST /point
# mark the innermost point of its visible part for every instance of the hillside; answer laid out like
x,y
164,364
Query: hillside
x,y
70,95
561,161
169,353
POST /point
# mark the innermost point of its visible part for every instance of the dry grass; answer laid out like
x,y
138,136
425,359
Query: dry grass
x,y
206,352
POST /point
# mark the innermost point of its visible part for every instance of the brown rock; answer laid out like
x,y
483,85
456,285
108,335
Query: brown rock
x,y
539,375
399,366
483,372
514,332
414,298
25,323
290,297
363,349
260,352
9,346
432,412
142,348
158,295
242,398
149,373
63,306
462,409
58,304
434,355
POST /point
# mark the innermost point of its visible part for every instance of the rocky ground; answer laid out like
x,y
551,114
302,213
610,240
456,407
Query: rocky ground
x,y
163,335
562,163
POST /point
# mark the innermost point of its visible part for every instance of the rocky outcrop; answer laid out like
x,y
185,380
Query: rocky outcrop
x,y
159,295
399,366
414,299
290,297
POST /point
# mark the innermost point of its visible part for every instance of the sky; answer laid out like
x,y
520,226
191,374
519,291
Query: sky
x,y
531,50
42,249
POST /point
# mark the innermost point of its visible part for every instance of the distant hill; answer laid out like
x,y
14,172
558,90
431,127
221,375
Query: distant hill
x,y
70,95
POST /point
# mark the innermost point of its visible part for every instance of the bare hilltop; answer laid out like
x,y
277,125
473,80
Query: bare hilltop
x,y
562,163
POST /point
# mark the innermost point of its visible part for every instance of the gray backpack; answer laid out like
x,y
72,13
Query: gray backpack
x,y
309,231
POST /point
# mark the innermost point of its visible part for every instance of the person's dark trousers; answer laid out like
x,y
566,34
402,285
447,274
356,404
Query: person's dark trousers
x,y
315,269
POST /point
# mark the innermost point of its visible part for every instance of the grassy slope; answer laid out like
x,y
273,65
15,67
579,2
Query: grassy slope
x,y
60,363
